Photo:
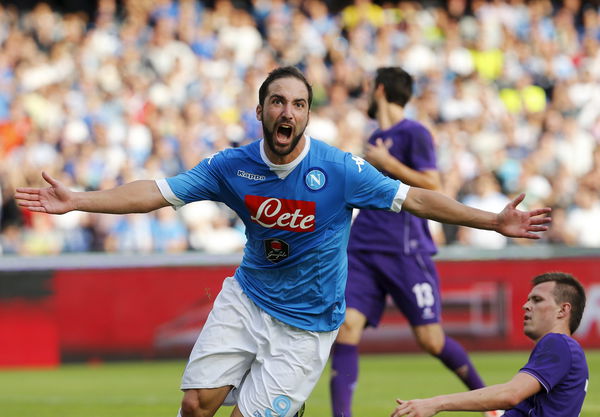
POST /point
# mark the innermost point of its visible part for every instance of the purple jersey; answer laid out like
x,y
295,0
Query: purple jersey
x,y
402,232
559,364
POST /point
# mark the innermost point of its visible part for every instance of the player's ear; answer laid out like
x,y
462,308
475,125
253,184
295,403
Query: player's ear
x,y
565,310
259,113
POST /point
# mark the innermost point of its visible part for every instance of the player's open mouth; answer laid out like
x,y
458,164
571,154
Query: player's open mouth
x,y
284,132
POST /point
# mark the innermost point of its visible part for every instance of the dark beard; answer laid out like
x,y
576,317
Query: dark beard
x,y
268,136
372,111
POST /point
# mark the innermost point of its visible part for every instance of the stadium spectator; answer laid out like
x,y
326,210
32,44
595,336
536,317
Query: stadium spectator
x,y
168,232
553,381
267,338
390,253
42,238
486,195
362,12
580,218
210,228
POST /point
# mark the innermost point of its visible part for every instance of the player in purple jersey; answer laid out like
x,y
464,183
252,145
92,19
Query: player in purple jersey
x,y
269,334
553,383
390,253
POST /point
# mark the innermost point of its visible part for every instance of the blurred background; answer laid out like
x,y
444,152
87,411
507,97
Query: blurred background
x,y
104,92
100,93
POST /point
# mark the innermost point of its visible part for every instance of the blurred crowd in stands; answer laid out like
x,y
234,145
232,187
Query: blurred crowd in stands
x,y
148,88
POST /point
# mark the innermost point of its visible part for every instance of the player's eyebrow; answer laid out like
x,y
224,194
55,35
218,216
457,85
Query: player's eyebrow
x,y
295,100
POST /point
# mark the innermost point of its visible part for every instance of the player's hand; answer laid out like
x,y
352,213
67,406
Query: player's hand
x,y
378,154
56,199
517,223
414,408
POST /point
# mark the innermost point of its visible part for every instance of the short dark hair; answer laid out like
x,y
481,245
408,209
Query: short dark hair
x,y
568,290
397,84
283,72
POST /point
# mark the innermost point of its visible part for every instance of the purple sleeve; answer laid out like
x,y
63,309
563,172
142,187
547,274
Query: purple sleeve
x,y
550,361
412,145
423,151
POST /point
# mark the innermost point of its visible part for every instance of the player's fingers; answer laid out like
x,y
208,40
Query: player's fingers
x,y
49,179
31,207
27,197
399,411
389,143
517,200
540,220
26,190
29,203
540,212
537,228
396,413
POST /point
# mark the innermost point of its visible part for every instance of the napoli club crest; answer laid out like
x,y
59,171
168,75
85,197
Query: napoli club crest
x,y
276,250
315,179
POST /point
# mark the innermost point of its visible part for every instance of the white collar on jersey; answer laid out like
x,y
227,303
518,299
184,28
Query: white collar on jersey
x,y
283,171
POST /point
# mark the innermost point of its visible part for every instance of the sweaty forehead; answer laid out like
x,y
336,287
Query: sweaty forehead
x,y
290,88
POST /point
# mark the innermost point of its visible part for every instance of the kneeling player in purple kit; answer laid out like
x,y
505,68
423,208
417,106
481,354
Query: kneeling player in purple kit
x,y
390,253
269,334
554,381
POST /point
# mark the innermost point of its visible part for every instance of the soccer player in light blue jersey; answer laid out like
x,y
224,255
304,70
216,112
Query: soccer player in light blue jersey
x,y
268,336
554,381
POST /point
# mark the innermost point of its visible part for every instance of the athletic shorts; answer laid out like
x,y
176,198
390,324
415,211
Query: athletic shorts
x,y
411,281
272,366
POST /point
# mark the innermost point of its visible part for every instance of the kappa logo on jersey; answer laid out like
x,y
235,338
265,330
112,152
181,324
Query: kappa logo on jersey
x,y
359,162
210,158
315,179
276,250
282,214
250,176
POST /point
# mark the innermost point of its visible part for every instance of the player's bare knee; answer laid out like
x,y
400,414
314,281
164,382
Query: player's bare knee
x,y
431,345
351,329
190,405
349,333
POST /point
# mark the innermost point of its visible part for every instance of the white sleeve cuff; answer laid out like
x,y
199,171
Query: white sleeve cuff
x,y
168,194
399,197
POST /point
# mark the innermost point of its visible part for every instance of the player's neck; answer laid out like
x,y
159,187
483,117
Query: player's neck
x,y
556,329
391,115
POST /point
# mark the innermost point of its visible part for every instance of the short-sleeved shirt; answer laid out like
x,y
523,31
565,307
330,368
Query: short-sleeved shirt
x,y
558,363
297,220
402,232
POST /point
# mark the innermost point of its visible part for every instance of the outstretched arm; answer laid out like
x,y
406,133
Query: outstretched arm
x,y
134,197
509,222
495,397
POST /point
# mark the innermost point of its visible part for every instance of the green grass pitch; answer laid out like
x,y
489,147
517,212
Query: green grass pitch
x,y
150,389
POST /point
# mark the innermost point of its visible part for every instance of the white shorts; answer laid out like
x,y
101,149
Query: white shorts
x,y
272,366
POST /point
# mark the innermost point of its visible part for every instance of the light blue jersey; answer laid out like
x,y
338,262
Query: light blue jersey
x,y
297,219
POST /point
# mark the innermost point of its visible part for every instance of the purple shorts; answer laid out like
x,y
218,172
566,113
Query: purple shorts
x,y
411,281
